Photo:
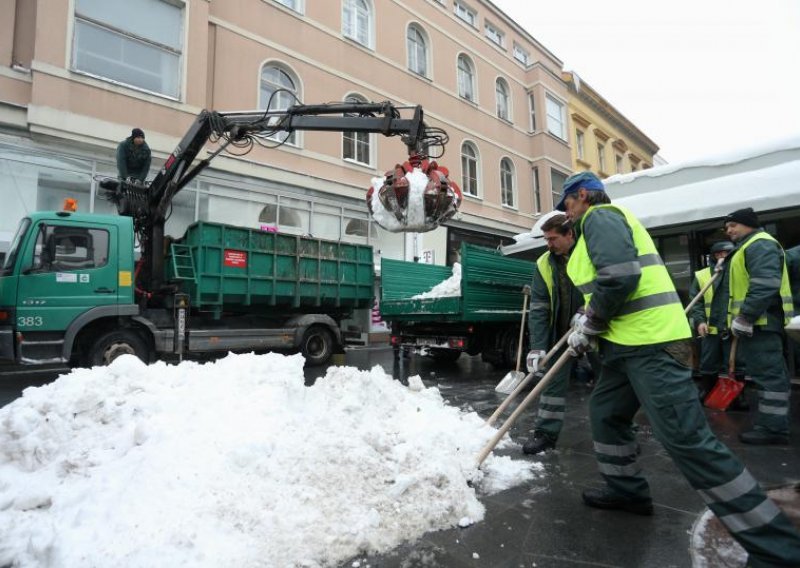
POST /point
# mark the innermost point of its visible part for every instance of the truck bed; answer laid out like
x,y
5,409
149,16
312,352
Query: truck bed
x,y
491,288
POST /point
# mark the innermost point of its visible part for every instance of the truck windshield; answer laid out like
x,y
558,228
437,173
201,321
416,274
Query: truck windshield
x,y
11,257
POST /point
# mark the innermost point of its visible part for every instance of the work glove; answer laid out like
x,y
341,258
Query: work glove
x,y
533,360
584,333
741,327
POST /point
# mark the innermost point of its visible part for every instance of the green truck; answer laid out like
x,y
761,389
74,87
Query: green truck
x,y
68,292
484,319
72,289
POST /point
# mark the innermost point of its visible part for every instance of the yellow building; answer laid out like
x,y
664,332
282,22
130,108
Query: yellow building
x,y
602,139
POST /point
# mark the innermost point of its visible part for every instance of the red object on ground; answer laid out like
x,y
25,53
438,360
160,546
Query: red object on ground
x,y
723,393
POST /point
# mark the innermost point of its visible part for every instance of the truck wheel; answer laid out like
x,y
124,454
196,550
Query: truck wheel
x,y
445,355
111,345
317,345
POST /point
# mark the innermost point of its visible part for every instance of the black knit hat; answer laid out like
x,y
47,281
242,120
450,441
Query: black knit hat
x,y
744,217
137,133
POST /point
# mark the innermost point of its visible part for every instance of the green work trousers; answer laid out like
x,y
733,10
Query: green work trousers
x,y
552,402
714,353
763,356
648,376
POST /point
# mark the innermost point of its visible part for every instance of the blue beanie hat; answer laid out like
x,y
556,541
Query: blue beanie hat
x,y
585,180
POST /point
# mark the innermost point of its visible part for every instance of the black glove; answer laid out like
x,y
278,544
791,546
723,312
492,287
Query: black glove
x,y
742,327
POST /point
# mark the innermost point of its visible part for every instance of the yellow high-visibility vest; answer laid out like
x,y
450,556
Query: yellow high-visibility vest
x,y
740,283
546,272
653,313
703,276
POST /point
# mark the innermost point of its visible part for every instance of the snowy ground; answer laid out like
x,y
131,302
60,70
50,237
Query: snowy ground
x,y
234,463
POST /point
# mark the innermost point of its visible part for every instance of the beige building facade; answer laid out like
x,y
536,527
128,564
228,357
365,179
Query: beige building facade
x,y
603,140
77,75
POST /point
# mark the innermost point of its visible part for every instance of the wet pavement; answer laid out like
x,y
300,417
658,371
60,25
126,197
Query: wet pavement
x,y
543,523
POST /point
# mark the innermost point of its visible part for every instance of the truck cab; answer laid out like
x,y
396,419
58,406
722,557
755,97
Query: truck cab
x,y
64,272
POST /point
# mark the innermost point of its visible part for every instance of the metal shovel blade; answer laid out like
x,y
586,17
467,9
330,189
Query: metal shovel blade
x,y
510,382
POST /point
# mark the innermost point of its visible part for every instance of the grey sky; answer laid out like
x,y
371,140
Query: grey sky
x,y
699,77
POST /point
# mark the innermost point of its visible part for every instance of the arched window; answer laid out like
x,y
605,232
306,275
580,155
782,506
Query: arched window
x,y
417,50
356,146
503,99
469,168
357,21
466,78
278,91
507,181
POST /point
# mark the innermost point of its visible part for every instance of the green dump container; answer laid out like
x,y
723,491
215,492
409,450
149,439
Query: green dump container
x,y
237,268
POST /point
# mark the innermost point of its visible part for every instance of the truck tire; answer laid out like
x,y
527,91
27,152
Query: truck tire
x,y
445,355
114,343
317,345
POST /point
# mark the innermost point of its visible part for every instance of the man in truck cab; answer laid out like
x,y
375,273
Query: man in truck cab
x,y
554,302
635,319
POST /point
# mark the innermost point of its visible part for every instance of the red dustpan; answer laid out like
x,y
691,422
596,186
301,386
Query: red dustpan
x,y
727,388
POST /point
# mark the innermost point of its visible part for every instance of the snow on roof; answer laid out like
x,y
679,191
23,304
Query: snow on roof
x,y
235,463
765,177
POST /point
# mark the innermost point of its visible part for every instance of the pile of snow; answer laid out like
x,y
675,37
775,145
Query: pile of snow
x,y
234,463
446,288
712,545
415,211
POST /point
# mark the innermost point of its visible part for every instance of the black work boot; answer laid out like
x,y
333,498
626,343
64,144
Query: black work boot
x,y
763,438
605,498
539,443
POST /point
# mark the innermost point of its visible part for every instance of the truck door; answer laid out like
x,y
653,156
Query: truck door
x,y
68,269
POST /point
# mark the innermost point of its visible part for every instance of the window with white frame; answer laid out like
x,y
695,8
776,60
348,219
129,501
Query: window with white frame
x,y
557,180
619,164
601,156
521,55
469,169
532,105
137,44
556,119
357,21
503,99
507,181
466,13
494,34
417,50
356,146
537,195
466,78
580,144
278,92
296,5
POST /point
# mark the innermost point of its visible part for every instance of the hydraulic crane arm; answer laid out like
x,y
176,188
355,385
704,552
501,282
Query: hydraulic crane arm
x,y
437,201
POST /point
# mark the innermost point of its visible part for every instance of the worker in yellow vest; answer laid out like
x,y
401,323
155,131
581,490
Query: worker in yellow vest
x,y
635,319
760,307
708,322
554,302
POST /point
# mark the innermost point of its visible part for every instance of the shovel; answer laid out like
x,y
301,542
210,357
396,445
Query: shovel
x,y
523,405
526,380
514,378
727,388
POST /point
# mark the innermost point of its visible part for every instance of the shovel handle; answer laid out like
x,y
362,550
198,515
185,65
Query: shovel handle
x,y
702,291
522,326
522,406
524,383
732,358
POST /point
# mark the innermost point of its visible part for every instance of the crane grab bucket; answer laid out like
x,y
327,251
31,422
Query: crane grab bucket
x,y
416,196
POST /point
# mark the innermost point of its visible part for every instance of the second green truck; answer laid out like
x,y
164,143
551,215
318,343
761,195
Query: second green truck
x,y
483,319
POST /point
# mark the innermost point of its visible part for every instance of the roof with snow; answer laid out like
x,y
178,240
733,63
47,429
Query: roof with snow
x,y
764,177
